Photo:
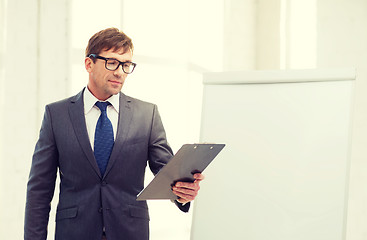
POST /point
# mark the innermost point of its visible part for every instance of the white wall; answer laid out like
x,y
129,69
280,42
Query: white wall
x,y
19,91
342,41
239,41
268,34
35,71
2,79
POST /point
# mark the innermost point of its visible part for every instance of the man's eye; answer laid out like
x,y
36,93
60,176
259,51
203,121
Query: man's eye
x,y
112,63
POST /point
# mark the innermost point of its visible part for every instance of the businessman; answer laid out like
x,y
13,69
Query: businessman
x,y
100,141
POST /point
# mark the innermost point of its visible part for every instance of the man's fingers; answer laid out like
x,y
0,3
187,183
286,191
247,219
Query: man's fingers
x,y
184,197
199,177
194,185
187,191
180,200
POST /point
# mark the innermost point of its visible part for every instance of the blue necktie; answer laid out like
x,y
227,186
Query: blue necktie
x,y
103,138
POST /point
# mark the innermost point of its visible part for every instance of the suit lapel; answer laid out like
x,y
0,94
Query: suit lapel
x,y
76,111
125,116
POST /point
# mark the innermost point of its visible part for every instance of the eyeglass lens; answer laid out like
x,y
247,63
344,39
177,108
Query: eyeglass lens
x,y
112,65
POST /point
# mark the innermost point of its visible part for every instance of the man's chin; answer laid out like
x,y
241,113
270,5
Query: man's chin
x,y
115,90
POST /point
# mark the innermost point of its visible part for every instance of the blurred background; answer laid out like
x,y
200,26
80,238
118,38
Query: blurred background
x,y
42,45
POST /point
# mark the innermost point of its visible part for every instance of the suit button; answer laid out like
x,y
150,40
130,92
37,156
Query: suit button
x,y
100,210
104,183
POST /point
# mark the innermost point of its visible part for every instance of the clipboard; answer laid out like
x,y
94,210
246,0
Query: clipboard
x,y
190,159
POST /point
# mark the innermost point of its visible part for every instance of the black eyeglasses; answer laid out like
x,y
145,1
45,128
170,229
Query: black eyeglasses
x,y
113,64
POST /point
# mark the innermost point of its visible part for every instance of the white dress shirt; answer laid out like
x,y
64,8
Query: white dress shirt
x,y
92,113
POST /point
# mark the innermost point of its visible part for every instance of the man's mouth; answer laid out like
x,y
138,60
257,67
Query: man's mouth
x,y
115,81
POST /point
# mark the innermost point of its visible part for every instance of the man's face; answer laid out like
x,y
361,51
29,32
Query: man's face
x,y
104,83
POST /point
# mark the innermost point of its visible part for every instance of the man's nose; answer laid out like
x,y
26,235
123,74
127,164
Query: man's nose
x,y
118,72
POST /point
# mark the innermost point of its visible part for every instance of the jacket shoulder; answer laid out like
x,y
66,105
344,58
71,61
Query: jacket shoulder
x,y
137,102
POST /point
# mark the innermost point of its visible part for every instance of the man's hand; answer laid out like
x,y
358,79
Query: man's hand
x,y
187,191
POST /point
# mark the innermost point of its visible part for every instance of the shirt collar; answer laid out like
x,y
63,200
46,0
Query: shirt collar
x,y
90,100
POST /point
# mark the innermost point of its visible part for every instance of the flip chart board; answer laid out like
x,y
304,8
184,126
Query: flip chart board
x,y
284,172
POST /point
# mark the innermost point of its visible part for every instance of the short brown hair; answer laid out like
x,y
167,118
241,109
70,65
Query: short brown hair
x,y
110,38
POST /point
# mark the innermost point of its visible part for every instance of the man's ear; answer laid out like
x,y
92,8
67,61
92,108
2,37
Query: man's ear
x,y
88,63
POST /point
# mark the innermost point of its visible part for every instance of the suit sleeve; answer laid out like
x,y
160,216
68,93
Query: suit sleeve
x,y
159,150
41,182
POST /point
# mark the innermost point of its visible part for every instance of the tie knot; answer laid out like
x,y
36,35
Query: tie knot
x,y
102,105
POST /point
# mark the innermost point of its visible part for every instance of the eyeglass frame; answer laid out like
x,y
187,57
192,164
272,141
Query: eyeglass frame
x,y
120,63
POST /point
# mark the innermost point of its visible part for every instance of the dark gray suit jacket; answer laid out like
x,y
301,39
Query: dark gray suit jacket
x,y
88,201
